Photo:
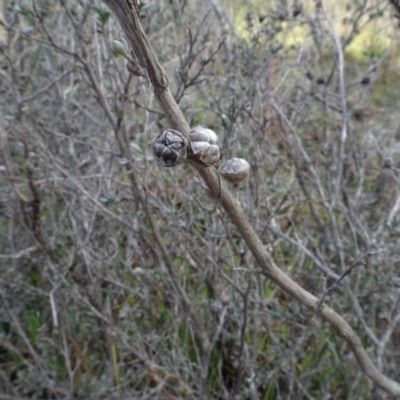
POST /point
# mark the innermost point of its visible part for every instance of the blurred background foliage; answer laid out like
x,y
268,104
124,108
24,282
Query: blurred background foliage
x,y
90,306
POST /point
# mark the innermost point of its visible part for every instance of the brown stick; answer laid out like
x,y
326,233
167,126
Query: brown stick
x,y
127,13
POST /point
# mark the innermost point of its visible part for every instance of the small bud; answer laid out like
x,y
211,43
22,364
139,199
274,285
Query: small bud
x,y
217,306
387,162
297,9
396,281
120,48
309,75
3,44
225,299
366,80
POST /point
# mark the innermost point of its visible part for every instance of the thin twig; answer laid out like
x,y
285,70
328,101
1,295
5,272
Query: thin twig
x,y
362,260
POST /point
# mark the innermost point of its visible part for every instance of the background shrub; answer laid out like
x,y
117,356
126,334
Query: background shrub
x,y
90,306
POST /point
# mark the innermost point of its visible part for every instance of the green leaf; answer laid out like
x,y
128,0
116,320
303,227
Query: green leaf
x,y
103,13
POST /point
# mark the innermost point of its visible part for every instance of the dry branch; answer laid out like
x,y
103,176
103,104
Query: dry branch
x,y
127,13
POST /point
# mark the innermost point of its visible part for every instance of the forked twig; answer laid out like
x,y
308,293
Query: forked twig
x,y
362,260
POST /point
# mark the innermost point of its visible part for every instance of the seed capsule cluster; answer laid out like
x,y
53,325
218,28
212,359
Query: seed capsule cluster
x,y
170,148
